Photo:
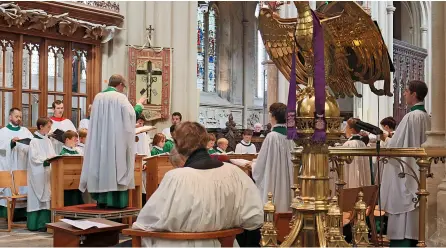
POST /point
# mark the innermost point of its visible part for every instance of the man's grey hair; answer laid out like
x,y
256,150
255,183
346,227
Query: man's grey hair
x,y
175,158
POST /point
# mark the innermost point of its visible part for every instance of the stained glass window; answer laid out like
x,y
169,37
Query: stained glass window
x,y
207,47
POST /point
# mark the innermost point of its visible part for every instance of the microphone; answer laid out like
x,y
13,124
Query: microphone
x,y
369,127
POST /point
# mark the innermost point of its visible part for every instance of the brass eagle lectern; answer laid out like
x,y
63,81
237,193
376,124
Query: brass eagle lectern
x,y
353,51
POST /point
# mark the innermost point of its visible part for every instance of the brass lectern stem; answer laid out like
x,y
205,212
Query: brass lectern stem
x,y
424,165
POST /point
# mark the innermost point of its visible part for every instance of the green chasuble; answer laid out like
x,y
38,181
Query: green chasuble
x,y
168,146
74,196
138,108
212,151
156,151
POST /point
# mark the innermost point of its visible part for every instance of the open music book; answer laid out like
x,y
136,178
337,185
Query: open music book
x,y
49,160
84,224
57,135
144,129
24,141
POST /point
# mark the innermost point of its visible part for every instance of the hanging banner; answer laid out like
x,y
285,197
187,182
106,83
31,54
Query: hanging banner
x,y
149,75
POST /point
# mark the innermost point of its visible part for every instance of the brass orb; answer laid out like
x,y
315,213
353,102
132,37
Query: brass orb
x,y
306,108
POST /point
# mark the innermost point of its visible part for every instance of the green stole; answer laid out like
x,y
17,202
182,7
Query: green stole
x,y
68,151
156,150
15,129
280,129
212,151
418,107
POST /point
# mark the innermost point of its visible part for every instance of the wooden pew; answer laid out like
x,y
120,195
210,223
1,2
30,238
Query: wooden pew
x,y
226,237
66,174
158,166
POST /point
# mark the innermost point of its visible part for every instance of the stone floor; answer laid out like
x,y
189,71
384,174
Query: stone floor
x,y
21,237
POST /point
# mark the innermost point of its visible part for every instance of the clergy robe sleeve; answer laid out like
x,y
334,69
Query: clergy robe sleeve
x,y
251,213
184,202
238,148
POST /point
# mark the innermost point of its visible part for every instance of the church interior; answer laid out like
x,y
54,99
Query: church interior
x,y
365,129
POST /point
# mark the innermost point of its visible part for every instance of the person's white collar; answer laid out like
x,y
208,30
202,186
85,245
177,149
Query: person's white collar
x,y
68,148
81,144
221,150
159,148
279,125
244,143
40,135
418,103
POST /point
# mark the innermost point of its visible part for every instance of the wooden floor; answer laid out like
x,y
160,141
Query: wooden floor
x,y
20,237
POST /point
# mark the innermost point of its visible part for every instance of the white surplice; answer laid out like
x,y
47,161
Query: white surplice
x,y
13,159
84,123
142,148
80,148
397,193
192,200
109,157
245,148
166,132
39,193
63,125
357,173
273,170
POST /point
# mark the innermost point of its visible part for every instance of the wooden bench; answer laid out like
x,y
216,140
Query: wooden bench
x,y
13,181
226,237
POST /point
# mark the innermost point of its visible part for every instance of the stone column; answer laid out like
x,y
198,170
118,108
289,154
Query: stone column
x,y
273,80
436,136
246,82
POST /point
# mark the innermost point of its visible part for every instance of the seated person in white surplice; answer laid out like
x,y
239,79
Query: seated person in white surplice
x,y
202,195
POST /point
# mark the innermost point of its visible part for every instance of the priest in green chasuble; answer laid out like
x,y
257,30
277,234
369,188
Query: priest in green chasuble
x,y
39,193
397,193
13,156
109,159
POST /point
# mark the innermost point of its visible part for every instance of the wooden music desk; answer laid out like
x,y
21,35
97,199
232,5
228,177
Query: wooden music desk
x,y
66,235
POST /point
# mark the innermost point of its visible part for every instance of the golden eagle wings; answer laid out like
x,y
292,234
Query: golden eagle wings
x,y
354,48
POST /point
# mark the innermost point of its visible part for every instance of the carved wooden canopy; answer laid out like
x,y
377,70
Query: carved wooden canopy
x,y
60,20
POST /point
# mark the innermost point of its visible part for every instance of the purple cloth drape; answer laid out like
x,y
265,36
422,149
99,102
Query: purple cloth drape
x,y
291,107
320,123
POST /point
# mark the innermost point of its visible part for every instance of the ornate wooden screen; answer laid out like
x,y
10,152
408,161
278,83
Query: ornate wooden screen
x,y
409,65
60,59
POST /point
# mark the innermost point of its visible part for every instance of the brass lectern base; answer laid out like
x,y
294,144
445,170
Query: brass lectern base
x,y
307,230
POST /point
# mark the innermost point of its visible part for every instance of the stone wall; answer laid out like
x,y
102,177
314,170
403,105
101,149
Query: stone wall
x,y
175,25
237,74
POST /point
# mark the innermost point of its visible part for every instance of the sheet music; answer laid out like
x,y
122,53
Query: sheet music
x,y
144,129
84,224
